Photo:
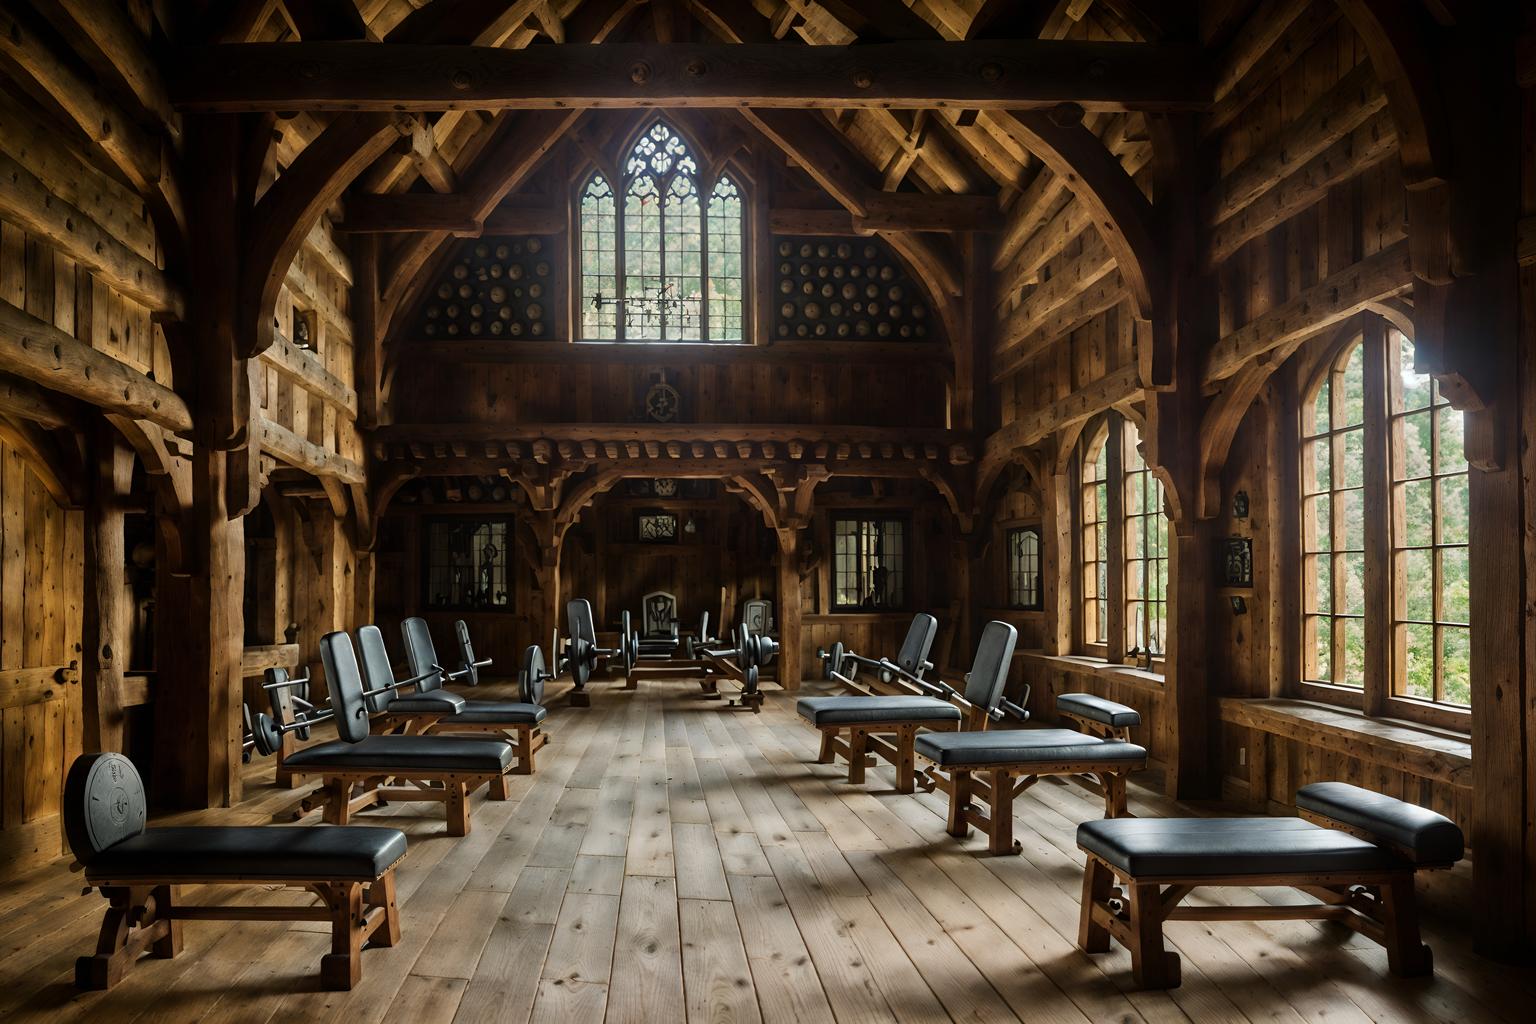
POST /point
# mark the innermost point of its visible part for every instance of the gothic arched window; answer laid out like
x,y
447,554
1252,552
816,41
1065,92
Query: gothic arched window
x,y
662,250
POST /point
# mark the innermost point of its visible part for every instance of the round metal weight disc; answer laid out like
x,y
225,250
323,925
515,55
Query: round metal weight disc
x,y
835,662
265,733
582,658
103,803
531,678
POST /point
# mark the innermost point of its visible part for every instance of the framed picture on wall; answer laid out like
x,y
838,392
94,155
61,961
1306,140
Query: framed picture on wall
x,y
1237,562
653,527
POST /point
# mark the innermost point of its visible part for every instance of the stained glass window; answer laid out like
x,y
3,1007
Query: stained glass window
x,y
666,264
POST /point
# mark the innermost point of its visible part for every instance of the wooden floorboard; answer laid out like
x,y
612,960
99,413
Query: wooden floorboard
x,y
674,861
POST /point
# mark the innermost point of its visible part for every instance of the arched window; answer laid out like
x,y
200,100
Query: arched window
x,y
1095,525
1146,552
1333,524
1124,545
1384,596
666,263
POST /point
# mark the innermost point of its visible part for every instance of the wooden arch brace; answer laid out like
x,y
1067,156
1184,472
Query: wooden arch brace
x,y
287,211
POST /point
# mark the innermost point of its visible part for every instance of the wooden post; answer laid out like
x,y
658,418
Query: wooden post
x,y
790,660
104,645
1056,563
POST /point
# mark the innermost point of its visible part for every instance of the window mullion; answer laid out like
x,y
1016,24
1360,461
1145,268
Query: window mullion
x,y
1114,520
1382,670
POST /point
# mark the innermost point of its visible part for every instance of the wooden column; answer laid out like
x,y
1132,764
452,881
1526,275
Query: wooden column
x,y
1056,562
1191,704
790,655
104,645
200,634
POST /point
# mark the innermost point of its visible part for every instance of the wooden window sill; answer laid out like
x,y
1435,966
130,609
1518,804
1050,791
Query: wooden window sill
x,y
1099,667
1406,746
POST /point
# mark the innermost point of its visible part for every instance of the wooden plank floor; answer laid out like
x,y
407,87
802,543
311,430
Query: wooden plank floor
x,y
675,862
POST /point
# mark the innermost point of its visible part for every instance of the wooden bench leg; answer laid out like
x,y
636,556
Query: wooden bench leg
x,y
120,941
906,768
167,945
959,803
1151,964
1098,881
456,801
857,743
381,894
1113,785
1407,956
1000,828
342,968
828,753
498,789
338,802
524,750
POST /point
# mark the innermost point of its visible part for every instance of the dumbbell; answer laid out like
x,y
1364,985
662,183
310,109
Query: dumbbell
x,y
582,656
267,731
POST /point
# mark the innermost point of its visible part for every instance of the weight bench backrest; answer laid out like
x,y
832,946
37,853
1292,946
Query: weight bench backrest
x,y
658,616
757,615
104,804
344,678
1425,837
579,622
420,654
919,641
377,671
466,653
989,672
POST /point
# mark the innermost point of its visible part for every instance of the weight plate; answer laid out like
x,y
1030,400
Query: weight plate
x,y
302,732
466,653
835,662
688,648
629,643
531,678
103,803
749,685
583,660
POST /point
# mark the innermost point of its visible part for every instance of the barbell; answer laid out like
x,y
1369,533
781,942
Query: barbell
x,y
267,731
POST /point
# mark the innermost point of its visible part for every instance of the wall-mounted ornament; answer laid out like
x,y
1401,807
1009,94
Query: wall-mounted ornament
x,y
656,527
1240,505
849,289
662,402
664,487
494,288
1237,562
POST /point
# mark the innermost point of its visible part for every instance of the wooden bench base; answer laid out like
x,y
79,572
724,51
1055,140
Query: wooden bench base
x,y
343,794
145,916
998,785
526,740
892,742
1379,905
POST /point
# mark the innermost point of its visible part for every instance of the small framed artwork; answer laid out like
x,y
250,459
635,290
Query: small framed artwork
x,y
1237,562
656,527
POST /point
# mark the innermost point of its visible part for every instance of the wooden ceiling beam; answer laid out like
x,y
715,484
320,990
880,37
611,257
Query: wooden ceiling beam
x,y
326,19
1012,75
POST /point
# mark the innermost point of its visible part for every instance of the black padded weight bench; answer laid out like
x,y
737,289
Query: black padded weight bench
x,y
138,870
1354,850
1012,760
433,710
444,769
887,724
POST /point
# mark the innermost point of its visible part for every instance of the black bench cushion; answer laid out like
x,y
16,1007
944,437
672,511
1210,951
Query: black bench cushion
x,y
1420,833
406,754
257,853
854,710
441,702
1091,706
1023,746
496,712
1214,847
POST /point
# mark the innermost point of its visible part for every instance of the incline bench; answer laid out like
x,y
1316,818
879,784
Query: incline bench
x,y
1015,759
435,710
910,705
445,769
1353,849
352,870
